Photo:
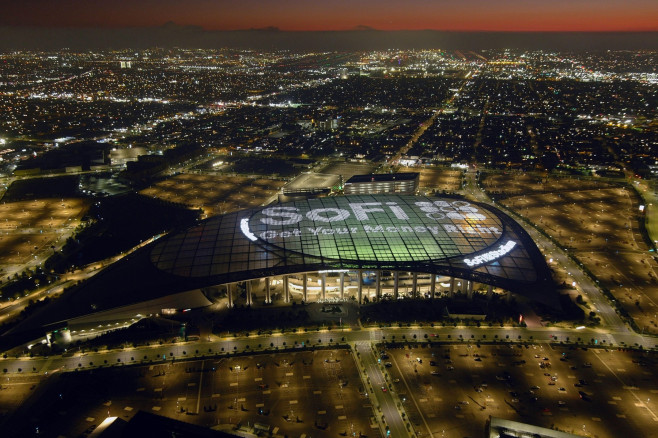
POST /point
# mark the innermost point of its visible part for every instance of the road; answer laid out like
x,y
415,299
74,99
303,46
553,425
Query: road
x,y
615,333
426,124
362,339
389,411
609,316
9,309
215,346
647,190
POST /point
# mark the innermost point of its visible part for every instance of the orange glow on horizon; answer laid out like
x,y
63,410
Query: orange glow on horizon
x,y
341,15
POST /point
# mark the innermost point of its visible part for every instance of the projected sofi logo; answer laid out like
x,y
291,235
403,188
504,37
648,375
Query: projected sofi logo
x,y
370,211
344,227
435,217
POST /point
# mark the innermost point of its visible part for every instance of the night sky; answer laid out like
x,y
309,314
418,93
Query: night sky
x,y
310,15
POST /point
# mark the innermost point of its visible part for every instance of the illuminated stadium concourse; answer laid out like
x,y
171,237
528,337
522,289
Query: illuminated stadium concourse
x,y
362,248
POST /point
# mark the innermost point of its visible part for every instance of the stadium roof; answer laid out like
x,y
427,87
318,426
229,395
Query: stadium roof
x,y
371,232
405,176
444,236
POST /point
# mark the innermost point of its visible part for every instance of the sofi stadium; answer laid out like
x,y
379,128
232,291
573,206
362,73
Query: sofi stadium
x,y
361,248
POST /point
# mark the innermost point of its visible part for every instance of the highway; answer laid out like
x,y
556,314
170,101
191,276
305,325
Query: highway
x,y
647,190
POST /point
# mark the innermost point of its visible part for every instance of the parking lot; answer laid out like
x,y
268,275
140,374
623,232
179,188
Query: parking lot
x,y
597,222
591,392
31,227
215,194
316,393
437,178
313,181
14,390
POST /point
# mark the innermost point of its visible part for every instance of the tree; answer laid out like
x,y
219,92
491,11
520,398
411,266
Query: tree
x,y
550,161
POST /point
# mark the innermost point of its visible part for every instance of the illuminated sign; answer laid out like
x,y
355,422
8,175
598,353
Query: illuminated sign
x,y
285,215
491,255
461,218
244,227
375,228
280,217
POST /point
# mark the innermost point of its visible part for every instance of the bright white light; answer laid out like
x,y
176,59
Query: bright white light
x,y
491,255
580,327
244,227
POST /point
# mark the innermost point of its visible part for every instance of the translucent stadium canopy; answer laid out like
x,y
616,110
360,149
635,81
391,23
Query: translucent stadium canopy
x,y
412,233
366,229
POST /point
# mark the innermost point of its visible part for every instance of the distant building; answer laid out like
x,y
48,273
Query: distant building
x,y
328,124
404,183
413,160
119,157
126,64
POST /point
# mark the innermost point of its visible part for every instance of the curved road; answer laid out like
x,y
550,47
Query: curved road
x,y
609,317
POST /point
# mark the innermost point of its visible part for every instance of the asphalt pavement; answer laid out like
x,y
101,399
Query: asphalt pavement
x,y
391,414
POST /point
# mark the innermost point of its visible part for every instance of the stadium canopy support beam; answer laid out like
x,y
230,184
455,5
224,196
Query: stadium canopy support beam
x,y
250,298
342,285
305,287
452,287
378,285
268,297
432,285
229,294
414,285
359,288
396,281
489,292
286,288
324,286
469,289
